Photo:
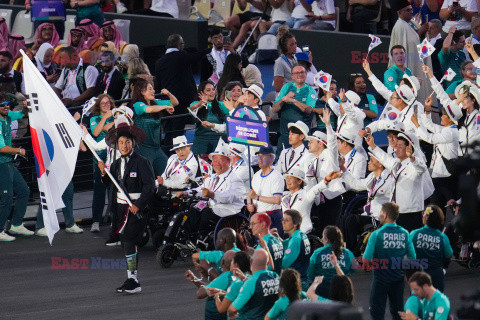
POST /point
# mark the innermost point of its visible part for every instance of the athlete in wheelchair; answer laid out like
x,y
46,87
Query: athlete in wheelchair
x,y
219,197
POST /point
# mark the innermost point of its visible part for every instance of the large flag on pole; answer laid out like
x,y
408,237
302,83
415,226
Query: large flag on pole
x,y
55,138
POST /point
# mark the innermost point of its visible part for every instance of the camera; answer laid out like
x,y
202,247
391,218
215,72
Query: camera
x,y
305,48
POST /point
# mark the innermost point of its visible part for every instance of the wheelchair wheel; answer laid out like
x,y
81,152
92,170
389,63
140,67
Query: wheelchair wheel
x,y
239,223
166,255
356,205
157,238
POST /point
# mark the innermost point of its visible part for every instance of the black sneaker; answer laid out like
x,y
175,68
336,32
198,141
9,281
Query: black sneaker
x,y
113,240
132,286
122,288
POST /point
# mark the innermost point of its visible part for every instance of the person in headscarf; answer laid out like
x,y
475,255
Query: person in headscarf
x,y
92,33
76,39
110,32
15,43
45,32
3,35
43,61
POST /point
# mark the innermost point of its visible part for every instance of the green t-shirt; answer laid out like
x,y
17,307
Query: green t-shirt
x,y
453,85
275,247
296,255
431,246
454,61
257,295
6,134
320,264
320,104
222,282
148,123
289,112
386,248
280,308
368,102
437,308
201,131
214,256
393,76
94,121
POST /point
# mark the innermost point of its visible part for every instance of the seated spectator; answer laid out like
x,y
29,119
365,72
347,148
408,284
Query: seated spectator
x,y
290,290
254,26
281,12
394,74
428,10
212,63
15,43
304,59
235,89
282,69
76,39
299,13
322,18
43,61
252,75
435,38
3,35
88,10
77,80
6,60
231,72
92,34
452,54
161,8
361,11
45,32
110,32
110,80
458,14
88,56
235,22
367,104
109,46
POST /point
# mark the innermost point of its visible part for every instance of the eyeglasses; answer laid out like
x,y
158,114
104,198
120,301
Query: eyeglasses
x,y
253,223
105,103
297,73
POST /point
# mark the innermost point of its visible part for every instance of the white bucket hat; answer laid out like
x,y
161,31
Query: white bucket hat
x,y
414,82
318,135
472,88
237,149
256,90
180,142
300,126
297,173
353,99
347,135
221,150
405,93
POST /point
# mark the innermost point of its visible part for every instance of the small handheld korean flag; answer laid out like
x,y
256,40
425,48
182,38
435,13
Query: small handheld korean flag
x,y
87,107
375,42
323,80
449,75
425,49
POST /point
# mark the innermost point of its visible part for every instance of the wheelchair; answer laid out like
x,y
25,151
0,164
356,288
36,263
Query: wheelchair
x,y
180,243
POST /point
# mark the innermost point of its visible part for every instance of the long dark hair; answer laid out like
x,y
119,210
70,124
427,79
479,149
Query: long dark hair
x,y
230,72
202,112
351,82
242,260
341,289
139,86
335,238
290,284
476,105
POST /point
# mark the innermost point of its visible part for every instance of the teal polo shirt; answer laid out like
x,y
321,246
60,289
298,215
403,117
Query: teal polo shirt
x,y
451,60
222,282
6,134
257,295
275,246
393,76
437,308
94,121
201,131
320,104
414,305
387,246
280,308
149,123
289,112
296,255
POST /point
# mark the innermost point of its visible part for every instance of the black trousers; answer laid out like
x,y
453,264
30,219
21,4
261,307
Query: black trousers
x,y
378,298
329,213
410,221
203,221
353,227
445,189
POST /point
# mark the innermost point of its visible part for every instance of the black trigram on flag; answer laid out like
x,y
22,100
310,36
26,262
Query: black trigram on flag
x,y
43,201
32,102
67,141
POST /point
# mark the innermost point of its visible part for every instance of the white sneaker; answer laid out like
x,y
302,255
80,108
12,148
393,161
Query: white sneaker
x,y
95,227
41,232
21,230
74,229
6,237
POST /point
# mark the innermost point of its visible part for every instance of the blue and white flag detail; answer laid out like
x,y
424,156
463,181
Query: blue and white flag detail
x,y
55,138
425,49
323,80
375,42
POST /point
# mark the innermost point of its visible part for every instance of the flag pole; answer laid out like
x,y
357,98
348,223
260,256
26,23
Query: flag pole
x,y
108,173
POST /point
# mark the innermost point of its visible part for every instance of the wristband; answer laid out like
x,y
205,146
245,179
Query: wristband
x,y
258,198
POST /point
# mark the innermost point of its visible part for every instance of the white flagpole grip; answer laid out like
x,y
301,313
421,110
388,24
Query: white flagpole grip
x,y
109,173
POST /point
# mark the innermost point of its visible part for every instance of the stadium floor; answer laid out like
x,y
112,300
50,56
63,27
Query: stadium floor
x,y
34,289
